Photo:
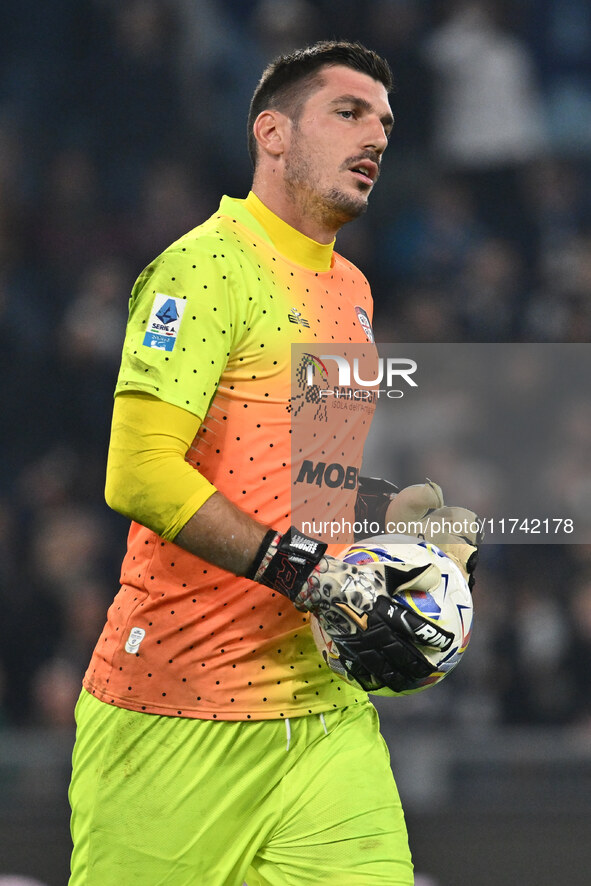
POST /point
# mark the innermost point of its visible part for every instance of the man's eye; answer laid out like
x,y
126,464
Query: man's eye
x,y
347,115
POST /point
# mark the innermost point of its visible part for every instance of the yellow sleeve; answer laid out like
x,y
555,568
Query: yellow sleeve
x,y
148,479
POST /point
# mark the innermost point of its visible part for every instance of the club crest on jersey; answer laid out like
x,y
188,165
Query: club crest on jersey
x,y
364,322
164,323
295,316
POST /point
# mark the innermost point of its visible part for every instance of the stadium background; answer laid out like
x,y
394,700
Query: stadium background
x,y
121,123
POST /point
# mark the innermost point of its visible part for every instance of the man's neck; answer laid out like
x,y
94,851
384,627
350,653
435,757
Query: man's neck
x,y
295,213
290,242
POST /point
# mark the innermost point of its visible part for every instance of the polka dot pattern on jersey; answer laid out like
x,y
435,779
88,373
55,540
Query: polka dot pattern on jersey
x,y
213,645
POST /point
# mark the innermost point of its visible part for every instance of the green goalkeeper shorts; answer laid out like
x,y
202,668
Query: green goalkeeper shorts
x,y
165,801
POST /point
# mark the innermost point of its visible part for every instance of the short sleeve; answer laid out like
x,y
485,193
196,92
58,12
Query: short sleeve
x,y
182,326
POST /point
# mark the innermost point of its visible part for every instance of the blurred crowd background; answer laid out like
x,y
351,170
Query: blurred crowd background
x,y
122,123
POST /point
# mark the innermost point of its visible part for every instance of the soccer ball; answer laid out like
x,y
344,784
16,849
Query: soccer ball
x,y
447,606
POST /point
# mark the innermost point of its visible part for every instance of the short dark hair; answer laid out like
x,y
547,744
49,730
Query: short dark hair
x,y
286,81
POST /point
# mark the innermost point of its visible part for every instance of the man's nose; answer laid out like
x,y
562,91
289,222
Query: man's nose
x,y
375,136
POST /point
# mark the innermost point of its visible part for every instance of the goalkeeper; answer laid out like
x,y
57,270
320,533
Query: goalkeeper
x,y
213,744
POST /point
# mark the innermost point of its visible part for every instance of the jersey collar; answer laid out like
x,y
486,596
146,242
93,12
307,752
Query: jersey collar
x,y
292,244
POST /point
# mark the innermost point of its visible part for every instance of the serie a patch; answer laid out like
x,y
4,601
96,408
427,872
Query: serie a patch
x,y
165,321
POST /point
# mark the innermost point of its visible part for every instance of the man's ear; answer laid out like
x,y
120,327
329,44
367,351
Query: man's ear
x,y
271,130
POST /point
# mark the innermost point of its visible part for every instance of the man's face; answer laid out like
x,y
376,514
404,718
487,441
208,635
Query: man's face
x,y
336,145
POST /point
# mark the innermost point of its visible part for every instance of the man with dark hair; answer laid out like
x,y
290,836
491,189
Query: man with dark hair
x,y
287,82
214,744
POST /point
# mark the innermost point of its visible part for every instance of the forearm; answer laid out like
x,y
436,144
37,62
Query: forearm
x,y
222,534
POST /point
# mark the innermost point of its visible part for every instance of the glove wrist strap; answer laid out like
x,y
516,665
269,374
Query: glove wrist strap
x,y
374,496
271,536
284,563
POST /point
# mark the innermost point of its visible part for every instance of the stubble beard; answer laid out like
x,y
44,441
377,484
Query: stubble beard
x,y
333,208
343,206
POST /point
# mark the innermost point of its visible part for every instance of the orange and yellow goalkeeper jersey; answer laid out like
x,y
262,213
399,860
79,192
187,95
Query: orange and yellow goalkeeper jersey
x,y
212,321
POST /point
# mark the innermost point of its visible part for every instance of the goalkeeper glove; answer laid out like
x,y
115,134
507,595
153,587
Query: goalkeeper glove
x,y
374,497
456,531
354,605
419,511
